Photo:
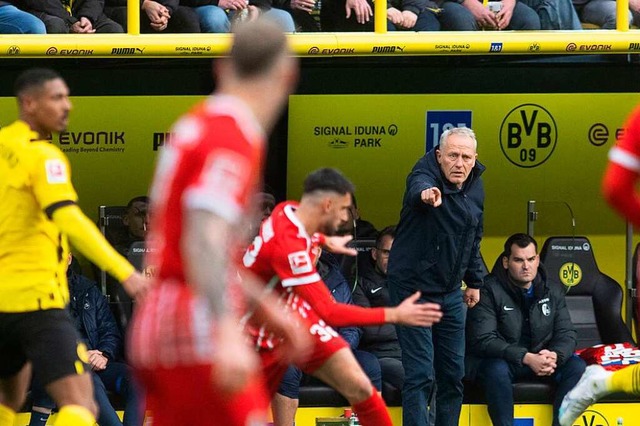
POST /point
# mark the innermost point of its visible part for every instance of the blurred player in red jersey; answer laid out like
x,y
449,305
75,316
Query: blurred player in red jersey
x,y
186,343
619,189
623,172
282,255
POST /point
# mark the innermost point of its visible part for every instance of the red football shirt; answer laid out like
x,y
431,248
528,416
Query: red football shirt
x,y
282,255
623,171
213,162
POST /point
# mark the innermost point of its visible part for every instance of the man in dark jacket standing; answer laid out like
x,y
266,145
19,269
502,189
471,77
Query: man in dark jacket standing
x,y
520,329
437,245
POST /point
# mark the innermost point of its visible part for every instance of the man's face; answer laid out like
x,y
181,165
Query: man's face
x,y
49,106
336,209
137,219
380,254
522,264
457,158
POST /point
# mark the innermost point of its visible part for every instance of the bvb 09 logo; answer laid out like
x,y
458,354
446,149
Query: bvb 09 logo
x,y
570,274
528,135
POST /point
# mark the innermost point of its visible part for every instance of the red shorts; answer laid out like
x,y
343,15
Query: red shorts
x,y
187,396
326,342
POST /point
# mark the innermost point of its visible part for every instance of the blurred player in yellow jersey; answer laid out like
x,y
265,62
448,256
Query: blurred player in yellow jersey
x,y
38,216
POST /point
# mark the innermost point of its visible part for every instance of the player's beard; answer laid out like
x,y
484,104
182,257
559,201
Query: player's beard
x,y
329,228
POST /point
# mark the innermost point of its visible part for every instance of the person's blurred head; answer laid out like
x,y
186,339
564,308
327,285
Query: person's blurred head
x,y
380,253
259,68
456,154
331,191
43,100
136,218
520,259
266,203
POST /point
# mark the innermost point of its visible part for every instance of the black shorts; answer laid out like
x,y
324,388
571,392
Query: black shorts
x,y
48,339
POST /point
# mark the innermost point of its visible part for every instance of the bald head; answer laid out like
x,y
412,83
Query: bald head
x,y
257,46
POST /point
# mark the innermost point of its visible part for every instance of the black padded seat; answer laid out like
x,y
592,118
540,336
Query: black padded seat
x,y
595,301
320,395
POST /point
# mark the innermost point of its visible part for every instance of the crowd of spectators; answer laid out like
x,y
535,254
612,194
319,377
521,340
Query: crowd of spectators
x,y
217,16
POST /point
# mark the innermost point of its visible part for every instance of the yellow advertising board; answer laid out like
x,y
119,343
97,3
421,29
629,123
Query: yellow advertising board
x,y
551,148
112,143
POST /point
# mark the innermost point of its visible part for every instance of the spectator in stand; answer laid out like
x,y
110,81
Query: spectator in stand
x,y
162,16
472,15
97,328
603,12
69,16
408,15
555,14
16,21
216,16
285,401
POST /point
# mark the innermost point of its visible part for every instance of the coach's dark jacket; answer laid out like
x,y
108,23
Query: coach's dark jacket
x,y
494,325
92,317
437,247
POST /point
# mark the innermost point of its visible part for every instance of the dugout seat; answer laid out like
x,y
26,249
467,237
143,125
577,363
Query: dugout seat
x,y
594,299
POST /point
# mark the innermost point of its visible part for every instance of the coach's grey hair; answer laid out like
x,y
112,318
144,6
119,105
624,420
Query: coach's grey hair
x,y
464,131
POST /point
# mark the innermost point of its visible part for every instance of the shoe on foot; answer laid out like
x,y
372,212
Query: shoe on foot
x,y
590,388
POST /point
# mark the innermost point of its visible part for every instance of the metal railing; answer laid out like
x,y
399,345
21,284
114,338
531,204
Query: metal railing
x,y
622,40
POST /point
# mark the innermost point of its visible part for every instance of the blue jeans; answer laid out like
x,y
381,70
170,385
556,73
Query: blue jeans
x,y
456,17
293,377
117,378
213,19
496,376
427,21
283,18
555,14
433,355
601,13
15,21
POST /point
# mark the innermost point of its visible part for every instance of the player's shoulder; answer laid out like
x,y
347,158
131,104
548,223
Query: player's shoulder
x,y
47,150
287,228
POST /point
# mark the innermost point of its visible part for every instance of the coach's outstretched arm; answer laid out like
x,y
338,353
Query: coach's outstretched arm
x,y
86,237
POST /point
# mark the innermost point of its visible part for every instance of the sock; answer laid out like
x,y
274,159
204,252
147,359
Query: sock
x,y
7,416
372,411
38,419
74,415
626,380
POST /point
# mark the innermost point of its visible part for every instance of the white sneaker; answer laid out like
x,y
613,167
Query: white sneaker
x,y
590,388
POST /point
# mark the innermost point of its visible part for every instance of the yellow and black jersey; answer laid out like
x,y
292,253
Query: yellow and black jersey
x,y
34,180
